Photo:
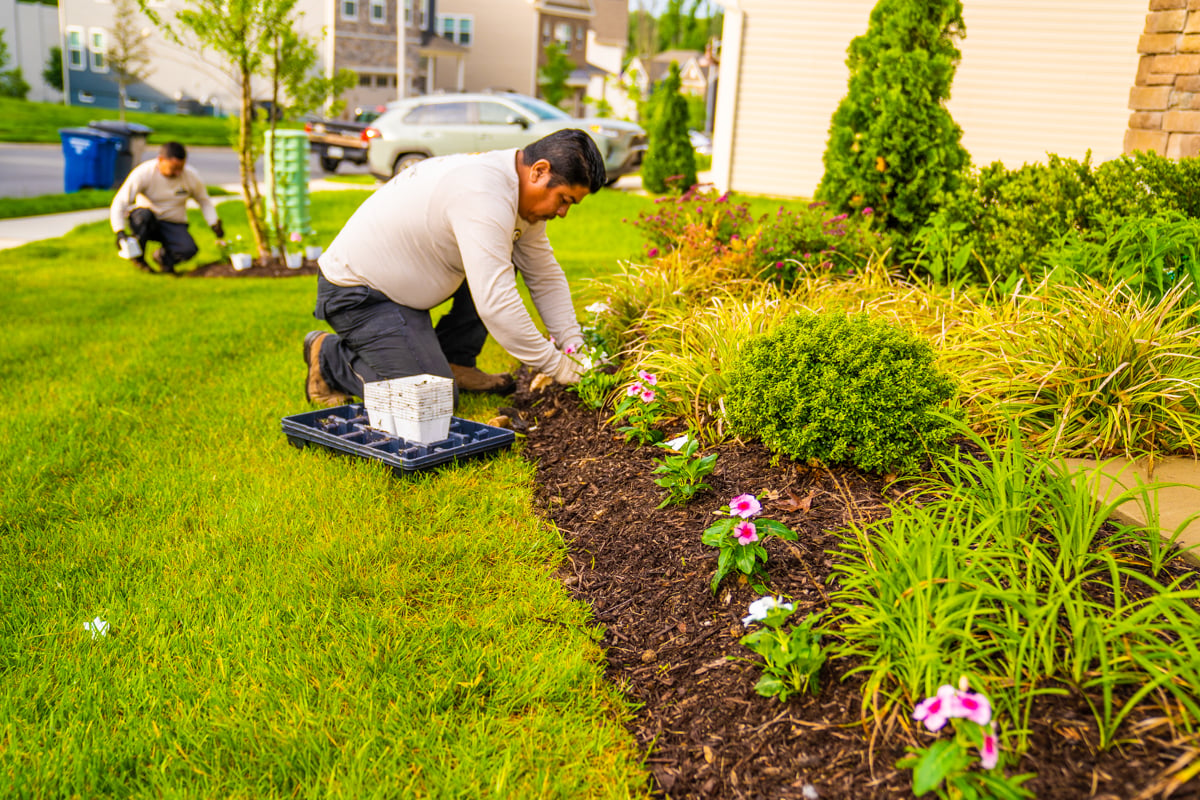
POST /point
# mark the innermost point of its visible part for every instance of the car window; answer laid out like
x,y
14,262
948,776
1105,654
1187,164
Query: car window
x,y
539,108
438,114
496,114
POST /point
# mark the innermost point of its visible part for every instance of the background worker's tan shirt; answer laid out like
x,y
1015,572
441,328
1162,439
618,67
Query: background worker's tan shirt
x,y
146,187
445,219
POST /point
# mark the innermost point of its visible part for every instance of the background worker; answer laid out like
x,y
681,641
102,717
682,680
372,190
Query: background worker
x,y
459,226
153,199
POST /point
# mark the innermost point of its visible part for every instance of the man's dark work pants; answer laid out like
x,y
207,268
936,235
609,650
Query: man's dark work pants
x,y
178,244
378,339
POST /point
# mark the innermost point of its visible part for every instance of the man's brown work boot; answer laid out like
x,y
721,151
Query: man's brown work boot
x,y
471,379
316,390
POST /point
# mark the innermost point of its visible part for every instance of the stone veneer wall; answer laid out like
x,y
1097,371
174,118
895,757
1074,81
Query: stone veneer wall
x,y
1165,98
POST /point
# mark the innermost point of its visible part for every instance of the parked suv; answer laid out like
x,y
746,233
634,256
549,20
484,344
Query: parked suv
x,y
417,128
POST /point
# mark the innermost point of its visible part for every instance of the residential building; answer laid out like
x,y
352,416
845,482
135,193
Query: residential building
x,y
1035,78
30,30
508,40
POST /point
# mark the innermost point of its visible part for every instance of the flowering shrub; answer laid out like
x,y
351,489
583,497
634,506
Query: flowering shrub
x,y
639,408
739,538
791,659
944,767
704,227
683,472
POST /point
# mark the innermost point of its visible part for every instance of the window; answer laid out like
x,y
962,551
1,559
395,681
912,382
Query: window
x,y
378,12
408,12
563,32
497,114
86,97
381,80
75,48
580,32
364,80
438,114
546,32
98,48
350,9
456,28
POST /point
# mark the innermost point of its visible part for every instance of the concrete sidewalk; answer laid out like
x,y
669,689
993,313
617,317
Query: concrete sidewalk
x,y
17,231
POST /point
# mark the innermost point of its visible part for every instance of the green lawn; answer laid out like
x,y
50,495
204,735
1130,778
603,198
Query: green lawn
x,y
27,121
283,622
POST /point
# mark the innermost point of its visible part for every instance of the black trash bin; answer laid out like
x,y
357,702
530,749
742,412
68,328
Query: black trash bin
x,y
133,145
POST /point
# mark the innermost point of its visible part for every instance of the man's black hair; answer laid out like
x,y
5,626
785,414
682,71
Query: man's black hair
x,y
173,150
573,156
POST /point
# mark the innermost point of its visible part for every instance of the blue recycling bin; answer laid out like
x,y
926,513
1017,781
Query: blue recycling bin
x,y
91,158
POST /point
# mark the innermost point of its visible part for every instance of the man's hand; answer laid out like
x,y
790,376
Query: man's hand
x,y
120,238
218,230
568,370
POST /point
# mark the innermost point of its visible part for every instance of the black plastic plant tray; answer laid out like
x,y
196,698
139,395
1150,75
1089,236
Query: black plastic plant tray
x,y
345,429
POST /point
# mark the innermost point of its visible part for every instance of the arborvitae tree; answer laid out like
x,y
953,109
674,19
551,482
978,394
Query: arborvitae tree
x,y
669,154
893,146
12,81
53,73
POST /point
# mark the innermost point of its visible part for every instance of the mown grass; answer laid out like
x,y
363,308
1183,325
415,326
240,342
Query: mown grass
x,y
283,622
27,121
11,207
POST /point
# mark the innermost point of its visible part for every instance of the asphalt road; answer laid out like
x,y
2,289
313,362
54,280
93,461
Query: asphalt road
x,y
29,170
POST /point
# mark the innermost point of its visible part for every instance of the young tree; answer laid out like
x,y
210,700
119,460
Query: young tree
x,y
552,78
893,145
670,163
12,81
52,74
128,51
243,35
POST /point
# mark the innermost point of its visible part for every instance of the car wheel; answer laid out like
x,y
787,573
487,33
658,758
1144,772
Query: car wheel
x,y
405,161
330,164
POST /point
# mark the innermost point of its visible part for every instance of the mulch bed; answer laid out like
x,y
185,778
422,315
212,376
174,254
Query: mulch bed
x,y
259,268
705,731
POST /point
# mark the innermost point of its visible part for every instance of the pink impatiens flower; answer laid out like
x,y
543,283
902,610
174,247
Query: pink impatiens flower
x,y
633,390
648,378
744,506
745,532
989,756
934,711
647,395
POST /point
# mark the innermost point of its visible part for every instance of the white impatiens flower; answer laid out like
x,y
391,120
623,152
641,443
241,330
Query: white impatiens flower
x,y
598,308
96,627
760,607
678,443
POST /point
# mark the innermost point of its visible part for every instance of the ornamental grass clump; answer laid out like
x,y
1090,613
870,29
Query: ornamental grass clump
x,y
841,389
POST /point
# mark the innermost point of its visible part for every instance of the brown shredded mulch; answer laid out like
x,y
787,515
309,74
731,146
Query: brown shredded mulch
x,y
705,731
259,268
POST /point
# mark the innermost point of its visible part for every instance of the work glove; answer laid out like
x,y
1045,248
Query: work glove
x,y
568,370
218,230
120,238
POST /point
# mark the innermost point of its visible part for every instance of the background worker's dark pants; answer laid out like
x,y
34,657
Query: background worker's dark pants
x,y
178,244
378,339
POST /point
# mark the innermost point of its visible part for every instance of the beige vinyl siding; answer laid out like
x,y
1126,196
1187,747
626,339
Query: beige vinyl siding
x,y
1036,77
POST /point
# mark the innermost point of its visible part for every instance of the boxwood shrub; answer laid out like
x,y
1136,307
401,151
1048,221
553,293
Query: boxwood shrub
x,y
841,389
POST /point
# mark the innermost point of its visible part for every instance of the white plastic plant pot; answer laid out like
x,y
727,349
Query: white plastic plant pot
x,y
241,261
294,260
312,252
381,420
424,431
130,248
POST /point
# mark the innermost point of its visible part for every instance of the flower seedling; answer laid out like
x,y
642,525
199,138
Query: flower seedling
x,y
683,472
945,766
639,409
791,659
598,380
740,539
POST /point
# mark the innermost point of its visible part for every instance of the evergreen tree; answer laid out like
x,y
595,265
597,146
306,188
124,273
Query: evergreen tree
x,y
670,163
12,81
53,72
893,146
552,78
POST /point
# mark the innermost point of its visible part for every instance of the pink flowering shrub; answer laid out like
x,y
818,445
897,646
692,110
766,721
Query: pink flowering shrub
x,y
740,539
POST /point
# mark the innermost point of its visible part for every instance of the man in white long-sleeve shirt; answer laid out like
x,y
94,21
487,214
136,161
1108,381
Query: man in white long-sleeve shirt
x,y
459,226
153,199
